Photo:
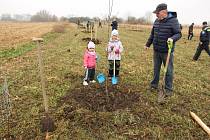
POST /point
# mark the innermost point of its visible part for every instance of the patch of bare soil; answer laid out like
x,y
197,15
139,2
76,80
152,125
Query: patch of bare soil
x,y
96,41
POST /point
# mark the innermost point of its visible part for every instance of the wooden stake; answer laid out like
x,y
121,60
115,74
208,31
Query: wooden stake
x,y
95,32
199,121
47,136
41,68
91,37
35,39
47,122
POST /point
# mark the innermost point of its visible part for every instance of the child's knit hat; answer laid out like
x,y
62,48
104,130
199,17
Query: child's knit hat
x,y
115,32
91,45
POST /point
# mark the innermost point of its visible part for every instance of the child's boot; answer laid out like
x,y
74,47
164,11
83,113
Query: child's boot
x,y
117,73
110,74
85,83
92,81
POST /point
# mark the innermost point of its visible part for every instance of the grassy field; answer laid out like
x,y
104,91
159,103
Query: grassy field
x,y
128,111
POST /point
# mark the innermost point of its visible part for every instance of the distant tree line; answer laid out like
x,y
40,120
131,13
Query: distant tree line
x,y
141,20
45,16
41,16
16,17
129,20
76,19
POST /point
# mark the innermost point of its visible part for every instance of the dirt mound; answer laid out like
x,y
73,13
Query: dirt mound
x,y
94,110
96,41
95,98
85,31
8,137
136,30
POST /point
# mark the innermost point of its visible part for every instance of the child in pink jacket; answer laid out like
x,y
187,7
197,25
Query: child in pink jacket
x,y
89,64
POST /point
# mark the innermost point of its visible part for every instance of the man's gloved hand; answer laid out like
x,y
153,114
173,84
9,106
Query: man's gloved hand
x,y
85,67
200,43
170,43
146,48
170,40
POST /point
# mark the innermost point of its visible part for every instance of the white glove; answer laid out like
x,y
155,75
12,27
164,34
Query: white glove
x,y
170,40
170,43
146,48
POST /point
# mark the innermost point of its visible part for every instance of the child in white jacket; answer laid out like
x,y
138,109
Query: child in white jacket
x,y
114,50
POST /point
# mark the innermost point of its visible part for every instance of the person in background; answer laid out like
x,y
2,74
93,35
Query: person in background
x,y
204,41
100,24
88,26
181,26
190,32
114,25
78,23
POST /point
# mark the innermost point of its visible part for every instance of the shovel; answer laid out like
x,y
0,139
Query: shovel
x,y
101,78
161,94
114,78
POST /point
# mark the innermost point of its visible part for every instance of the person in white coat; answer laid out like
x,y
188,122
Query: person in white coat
x,y
114,50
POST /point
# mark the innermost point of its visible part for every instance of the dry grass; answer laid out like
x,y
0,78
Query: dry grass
x,y
59,28
13,33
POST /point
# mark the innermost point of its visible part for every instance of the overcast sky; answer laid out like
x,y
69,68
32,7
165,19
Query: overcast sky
x,y
188,10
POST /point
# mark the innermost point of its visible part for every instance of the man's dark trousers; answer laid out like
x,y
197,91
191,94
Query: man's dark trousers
x,y
199,50
158,59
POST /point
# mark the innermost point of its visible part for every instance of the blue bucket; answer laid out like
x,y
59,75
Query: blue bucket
x,y
114,80
101,78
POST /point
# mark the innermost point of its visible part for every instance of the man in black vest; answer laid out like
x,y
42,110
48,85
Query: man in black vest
x,y
204,41
165,28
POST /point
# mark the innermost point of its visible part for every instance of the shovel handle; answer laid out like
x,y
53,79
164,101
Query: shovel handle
x,y
114,65
170,45
167,62
200,122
